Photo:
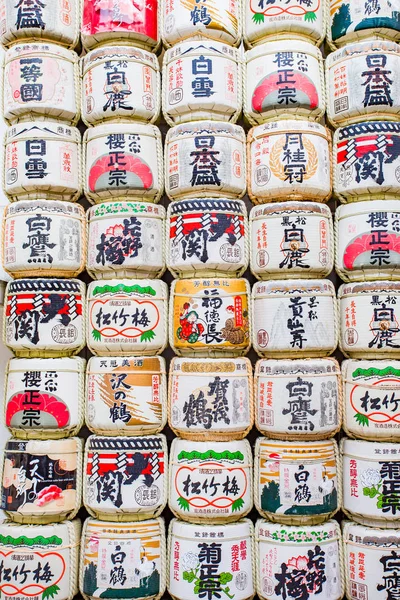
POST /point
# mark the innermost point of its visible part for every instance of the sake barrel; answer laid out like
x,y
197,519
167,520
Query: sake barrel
x,y
298,399
42,161
362,80
290,558
126,239
207,237
42,480
220,22
360,19
366,240
263,21
123,559
210,399
210,481
127,316
289,160
45,317
125,477
201,555
40,556
44,397
369,560
126,22
44,238
38,20
370,470
118,83
123,161
202,80
370,399
294,316
205,159
126,396
366,161
210,318
296,483
369,319
290,240
41,80
284,80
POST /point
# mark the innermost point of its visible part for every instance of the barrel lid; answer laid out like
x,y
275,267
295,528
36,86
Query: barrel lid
x,y
60,446
294,286
229,451
276,533
360,48
369,287
283,46
371,537
105,529
279,208
370,450
145,287
41,535
49,130
132,127
284,126
108,364
121,444
355,208
230,531
196,286
354,370
114,52
25,207
366,128
42,49
207,204
46,285
124,208
198,47
180,365
64,363
308,366
198,127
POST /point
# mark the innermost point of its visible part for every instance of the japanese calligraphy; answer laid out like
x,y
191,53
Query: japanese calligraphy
x,y
294,158
383,325
300,392
302,492
286,63
116,142
210,486
294,246
205,161
204,409
380,239
377,82
35,165
120,242
118,411
116,88
39,240
295,323
390,493
30,14
202,85
200,15
303,576
391,577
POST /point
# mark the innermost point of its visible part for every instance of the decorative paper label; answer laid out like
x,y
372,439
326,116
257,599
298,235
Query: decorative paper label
x,y
125,394
358,15
125,474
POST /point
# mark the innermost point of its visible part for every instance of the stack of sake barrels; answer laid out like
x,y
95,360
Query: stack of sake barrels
x,y
126,461
297,484
44,323
210,392
364,109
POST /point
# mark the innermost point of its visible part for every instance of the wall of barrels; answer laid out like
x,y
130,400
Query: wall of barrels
x,y
188,386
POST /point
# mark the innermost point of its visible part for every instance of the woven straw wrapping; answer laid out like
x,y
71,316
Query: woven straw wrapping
x,y
46,270
125,514
308,435
112,525
214,433
55,433
289,32
208,518
296,546
128,119
42,519
209,113
297,113
296,519
200,269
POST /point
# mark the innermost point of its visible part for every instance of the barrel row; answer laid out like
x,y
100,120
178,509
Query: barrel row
x,y
202,237
286,160
147,24
203,80
131,479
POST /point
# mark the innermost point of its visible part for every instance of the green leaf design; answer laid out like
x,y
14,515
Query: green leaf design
x,y
387,371
183,503
50,592
367,492
210,455
258,18
373,492
225,578
127,289
362,419
189,576
310,16
237,504
96,335
147,336
23,540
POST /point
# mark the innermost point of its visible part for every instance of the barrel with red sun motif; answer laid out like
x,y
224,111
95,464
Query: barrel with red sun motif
x,y
43,558
368,240
284,79
123,160
125,477
45,317
124,21
210,481
44,397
